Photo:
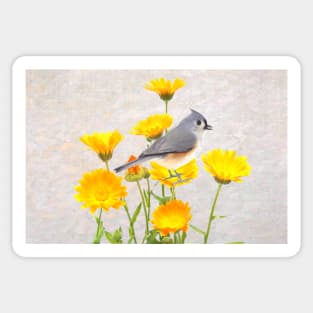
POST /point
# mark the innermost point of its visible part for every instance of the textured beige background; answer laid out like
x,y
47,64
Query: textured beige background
x,y
246,108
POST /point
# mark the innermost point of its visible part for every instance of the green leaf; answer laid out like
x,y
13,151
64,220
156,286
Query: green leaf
x,y
218,217
136,213
151,238
156,196
109,237
114,237
162,200
234,243
198,230
101,231
166,240
117,235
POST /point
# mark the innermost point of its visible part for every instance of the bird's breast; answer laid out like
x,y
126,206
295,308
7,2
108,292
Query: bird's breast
x,y
175,160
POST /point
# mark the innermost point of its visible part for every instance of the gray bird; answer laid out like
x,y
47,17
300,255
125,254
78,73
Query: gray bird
x,y
177,147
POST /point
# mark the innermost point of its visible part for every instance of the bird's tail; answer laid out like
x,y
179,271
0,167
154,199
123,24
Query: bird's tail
x,y
127,165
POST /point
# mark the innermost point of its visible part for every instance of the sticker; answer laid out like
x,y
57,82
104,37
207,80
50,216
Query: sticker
x,y
147,156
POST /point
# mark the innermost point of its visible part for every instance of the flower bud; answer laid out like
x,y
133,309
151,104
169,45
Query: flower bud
x,y
134,173
146,173
134,177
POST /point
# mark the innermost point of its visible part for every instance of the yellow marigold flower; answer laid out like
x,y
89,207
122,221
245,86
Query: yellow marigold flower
x,y
103,143
165,88
134,173
100,189
153,126
226,166
173,178
171,217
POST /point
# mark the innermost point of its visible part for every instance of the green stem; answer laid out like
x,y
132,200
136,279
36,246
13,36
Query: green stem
x,y
206,236
149,197
183,237
107,165
144,238
130,222
173,193
179,237
163,190
175,238
144,206
97,240
99,221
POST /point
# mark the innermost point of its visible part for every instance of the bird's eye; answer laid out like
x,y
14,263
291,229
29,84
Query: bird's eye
x,y
198,122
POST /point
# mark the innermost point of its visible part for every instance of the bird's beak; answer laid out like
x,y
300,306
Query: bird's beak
x,y
208,127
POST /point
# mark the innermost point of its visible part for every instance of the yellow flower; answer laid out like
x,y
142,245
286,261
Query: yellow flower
x,y
165,88
171,217
226,166
100,189
153,126
186,174
103,143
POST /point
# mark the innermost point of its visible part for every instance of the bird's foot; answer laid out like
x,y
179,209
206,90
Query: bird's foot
x,y
171,175
176,175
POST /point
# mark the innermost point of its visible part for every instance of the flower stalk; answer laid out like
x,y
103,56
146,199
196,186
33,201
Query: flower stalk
x,y
107,165
173,192
131,225
144,206
149,197
211,218
98,238
163,190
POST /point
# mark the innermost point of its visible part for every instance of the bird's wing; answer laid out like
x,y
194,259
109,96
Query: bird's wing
x,y
175,141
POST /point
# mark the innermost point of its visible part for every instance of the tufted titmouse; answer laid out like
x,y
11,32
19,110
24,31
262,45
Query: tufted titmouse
x,y
178,146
